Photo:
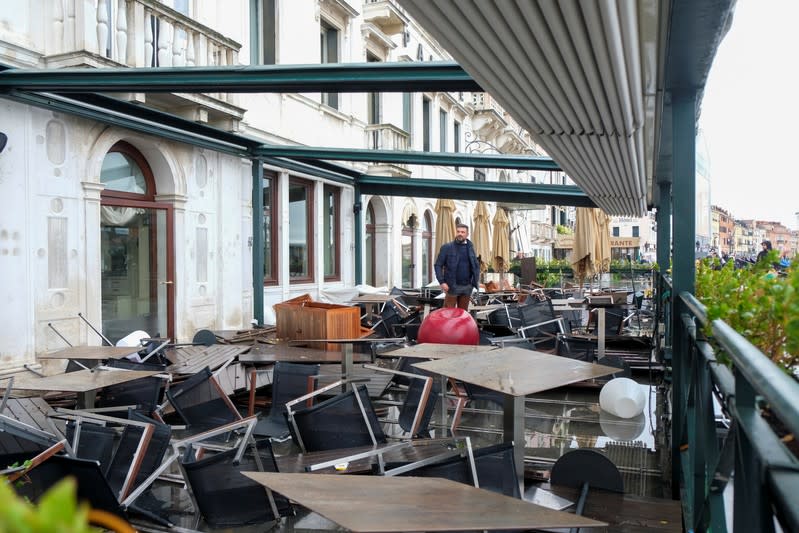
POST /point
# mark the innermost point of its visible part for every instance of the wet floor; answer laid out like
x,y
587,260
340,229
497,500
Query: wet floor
x,y
555,422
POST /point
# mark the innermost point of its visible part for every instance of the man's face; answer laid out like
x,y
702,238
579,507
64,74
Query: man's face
x,y
461,234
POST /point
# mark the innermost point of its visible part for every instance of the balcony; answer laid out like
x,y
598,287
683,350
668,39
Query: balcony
x,y
542,233
387,137
489,117
146,33
386,15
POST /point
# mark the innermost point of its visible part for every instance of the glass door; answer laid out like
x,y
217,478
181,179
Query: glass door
x,y
137,285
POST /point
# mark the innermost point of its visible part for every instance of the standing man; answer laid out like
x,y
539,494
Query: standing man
x,y
457,269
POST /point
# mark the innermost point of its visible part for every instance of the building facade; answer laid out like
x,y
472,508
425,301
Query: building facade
x,y
140,231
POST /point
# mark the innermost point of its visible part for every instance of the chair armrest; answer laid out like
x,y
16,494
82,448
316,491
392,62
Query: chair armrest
x,y
559,321
425,396
326,388
36,461
393,371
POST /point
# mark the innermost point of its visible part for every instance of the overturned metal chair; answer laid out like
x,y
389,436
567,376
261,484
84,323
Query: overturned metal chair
x,y
289,380
347,420
226,498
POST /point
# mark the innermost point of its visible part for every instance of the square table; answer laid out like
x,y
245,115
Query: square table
x,y
82,382
267,354
383,504
430,350
516,372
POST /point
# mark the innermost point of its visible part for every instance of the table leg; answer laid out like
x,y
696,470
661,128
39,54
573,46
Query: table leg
x,y
600,320
251,399
346,365
513,429
86,399
443,406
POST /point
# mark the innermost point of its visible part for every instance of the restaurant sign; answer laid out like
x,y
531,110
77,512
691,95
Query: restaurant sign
x,y
567,242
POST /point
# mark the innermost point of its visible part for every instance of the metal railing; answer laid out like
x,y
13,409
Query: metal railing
x,y
704,455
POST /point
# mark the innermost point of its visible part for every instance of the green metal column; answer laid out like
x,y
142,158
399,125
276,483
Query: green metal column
x,y
258,240
683,268
357,209
663,219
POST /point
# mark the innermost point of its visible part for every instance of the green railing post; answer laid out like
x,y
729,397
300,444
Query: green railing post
x,y
683,267
754,514
258,240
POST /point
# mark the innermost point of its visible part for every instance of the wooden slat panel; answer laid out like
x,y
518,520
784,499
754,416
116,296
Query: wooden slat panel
x,y
81,381
90,352
192,359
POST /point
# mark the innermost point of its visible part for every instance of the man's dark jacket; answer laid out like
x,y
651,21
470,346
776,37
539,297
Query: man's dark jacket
x,y
447,264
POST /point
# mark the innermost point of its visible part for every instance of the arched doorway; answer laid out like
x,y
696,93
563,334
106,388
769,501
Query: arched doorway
x,y
137,263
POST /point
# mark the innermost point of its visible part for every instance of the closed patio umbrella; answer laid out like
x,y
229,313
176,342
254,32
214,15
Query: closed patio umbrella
x,y
480,235
591,252
445,222
501,247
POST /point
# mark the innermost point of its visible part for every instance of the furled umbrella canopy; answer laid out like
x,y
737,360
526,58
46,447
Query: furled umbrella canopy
x,y
591,252
480,235
501,246
445,222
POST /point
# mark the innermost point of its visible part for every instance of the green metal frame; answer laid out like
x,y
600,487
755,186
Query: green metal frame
x,y
447,159
766,473
329,77
516,193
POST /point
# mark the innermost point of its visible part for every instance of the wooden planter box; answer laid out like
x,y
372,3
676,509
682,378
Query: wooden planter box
x,y
300,318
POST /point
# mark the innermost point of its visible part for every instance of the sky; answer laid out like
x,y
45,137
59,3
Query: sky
x,y
750,114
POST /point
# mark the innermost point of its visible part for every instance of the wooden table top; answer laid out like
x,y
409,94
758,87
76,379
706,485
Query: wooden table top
x,y
90,352
269,353
191,359
374,298
438,351
82,380
31,411
516,371
383,504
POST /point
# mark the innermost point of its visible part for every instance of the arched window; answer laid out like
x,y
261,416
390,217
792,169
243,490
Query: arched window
x,y
126,174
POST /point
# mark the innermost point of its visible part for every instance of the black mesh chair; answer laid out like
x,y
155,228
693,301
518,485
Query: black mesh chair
x,y
417,407
92,442
614,320
457,464
540,323
578,348
143,393
226,498
496,469
92,486
201,403
347,420
289,381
